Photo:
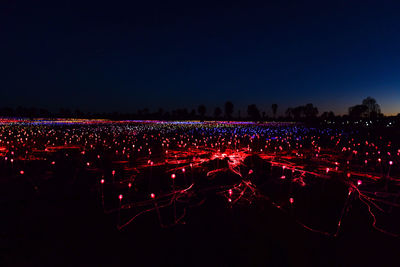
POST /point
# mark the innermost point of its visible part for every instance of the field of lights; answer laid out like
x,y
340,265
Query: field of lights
x,y
137,168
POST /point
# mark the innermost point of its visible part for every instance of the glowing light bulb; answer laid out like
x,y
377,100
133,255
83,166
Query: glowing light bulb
x,y
390,162
102,181
173,176
120,197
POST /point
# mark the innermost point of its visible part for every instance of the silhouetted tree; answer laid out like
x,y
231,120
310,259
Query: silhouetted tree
x,y
310,111
202,110
217,112
274,109
228,109
373,109
289,112
297,112
253,112
358,111
328,115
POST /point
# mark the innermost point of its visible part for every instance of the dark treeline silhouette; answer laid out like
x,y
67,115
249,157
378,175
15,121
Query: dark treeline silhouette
x,y
367,110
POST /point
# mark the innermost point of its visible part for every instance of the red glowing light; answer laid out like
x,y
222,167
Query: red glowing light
x,y
359,182
291,200
129,185
53,163
173,176
390,162
21,172
102,181
152,195
120,197
113,172
183,169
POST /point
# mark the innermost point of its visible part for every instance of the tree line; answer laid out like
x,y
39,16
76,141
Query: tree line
x,y
367,109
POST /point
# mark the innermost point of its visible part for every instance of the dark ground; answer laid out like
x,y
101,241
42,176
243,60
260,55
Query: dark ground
x,y
63,224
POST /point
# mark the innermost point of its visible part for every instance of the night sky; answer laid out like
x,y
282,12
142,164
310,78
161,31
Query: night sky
x,y
109,56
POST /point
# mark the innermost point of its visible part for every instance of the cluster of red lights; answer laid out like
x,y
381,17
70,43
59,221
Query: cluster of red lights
x,y
187,151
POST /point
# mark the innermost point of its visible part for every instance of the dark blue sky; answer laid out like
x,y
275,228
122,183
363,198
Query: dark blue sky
x,y
106,56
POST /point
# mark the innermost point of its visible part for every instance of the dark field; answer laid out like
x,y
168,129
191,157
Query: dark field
x,y
94,193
